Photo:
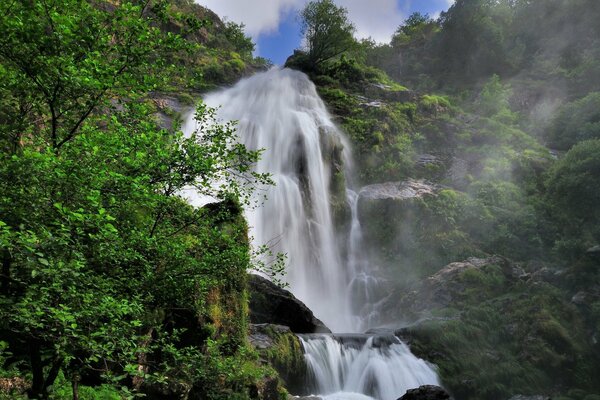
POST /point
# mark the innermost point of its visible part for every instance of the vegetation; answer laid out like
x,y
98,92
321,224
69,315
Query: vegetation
x,y
327,32
108,275
112,286
488,130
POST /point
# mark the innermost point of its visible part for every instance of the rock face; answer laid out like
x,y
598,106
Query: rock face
x,y
387,93
398,191
426,392
280,348
447,286
273,305
391,215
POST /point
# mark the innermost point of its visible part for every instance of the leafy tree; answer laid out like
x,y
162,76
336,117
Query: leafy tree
x,y
236,36
106,270
63,60
576,121
493,100
573,196
327,31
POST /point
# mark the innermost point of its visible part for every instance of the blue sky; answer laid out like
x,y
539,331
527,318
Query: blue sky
x,y
274,27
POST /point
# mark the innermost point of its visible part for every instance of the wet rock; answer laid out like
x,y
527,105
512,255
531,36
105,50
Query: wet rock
x,y
391,214
398,191
280,348
273,305
426,392
261,336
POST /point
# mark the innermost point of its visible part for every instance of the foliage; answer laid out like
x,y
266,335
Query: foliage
x,y
327,31
575,122
108,274
573,196
508,338
493,100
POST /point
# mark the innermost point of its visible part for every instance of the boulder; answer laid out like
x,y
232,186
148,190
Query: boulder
x,y
280,348
522,397
264,336
270,304
426,392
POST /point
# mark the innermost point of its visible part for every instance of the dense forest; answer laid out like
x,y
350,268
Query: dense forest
x,y
495,105
113,286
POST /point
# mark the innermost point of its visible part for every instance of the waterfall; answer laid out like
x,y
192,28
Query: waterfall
x,y
356,366
280,111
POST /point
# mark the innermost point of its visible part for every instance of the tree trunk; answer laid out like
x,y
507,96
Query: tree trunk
x,y
53,373
75,386
37,370
5,275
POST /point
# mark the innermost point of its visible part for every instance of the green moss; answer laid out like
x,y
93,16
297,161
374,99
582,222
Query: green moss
x,y
286,357
435,102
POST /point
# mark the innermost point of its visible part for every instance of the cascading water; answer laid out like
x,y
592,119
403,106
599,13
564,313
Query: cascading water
x,y
280,111
381,367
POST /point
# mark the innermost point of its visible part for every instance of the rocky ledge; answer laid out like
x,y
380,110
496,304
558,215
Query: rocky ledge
x,y
403,190
270,304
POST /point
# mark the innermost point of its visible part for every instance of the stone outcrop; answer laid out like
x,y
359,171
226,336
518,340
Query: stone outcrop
x,y
280,348
447,286
270,304
398,191
391,215
426,392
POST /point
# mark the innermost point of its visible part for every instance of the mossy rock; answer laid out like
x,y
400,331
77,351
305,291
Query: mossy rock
x,y
278,346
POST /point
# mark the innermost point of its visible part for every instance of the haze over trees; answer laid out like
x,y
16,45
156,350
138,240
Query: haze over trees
x,y
495,101
112,286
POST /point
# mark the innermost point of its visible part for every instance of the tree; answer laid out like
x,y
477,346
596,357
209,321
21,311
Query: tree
x,y
327,31
576,121
573,196
101,256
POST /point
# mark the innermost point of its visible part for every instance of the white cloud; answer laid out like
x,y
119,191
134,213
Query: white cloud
x,y
374,18
259,16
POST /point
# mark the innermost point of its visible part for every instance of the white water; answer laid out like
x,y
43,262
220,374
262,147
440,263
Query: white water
x,y
281,112
380,367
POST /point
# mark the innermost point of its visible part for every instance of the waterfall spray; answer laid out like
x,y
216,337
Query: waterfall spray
x,y
280,111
